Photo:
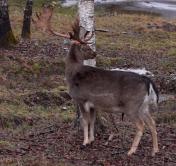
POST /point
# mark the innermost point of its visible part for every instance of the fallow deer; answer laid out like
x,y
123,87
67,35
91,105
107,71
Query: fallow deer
x,y
95,89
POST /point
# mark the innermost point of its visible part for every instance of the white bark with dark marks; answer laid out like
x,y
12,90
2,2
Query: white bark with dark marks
x,y
86,16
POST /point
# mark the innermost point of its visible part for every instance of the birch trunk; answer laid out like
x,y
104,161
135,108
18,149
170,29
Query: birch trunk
x,y
6,35
26,32
86,16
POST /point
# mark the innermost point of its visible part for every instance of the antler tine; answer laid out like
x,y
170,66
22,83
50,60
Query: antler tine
x,y
43,22
76,33
68,36
38,15
86,34
73,36
33,20
85,41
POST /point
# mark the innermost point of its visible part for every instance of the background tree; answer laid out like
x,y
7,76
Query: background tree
x,y
26,33
86,16
6,35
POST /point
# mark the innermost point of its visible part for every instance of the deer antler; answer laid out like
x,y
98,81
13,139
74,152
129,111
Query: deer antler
x,y
43,22
68,36
73,36
43,19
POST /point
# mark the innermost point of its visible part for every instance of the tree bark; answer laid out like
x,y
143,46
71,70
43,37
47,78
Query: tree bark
x,y
87,24
26,32
86,16
6,35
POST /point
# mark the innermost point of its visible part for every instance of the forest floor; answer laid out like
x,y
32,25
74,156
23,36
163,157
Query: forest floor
x,y
37,114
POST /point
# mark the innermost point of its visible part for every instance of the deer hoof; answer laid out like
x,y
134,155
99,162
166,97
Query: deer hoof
x,y
154,152
82,147
131,151
91,141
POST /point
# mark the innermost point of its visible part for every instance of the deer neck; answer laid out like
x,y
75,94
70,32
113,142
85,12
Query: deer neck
x,y
74,61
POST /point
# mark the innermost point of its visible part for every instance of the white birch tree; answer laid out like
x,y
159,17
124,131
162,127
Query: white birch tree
x,y
86,16
87,24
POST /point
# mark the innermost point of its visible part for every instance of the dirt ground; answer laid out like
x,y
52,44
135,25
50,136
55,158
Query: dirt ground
x,y
50,140
37,114
56,143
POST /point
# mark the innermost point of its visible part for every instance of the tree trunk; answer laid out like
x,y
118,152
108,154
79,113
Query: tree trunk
x,y
6,35
86,16
26,33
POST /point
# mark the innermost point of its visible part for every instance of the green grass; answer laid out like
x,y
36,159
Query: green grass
x,y
5,143
131,31
172,52
167,117
108,62
14,116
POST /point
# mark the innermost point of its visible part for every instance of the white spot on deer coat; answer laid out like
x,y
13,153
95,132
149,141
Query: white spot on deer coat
x,y
88,105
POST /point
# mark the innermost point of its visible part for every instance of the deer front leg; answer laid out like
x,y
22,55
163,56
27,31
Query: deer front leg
x,y
84,122
85,129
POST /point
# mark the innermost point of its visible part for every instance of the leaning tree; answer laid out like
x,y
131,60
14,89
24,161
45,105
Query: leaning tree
x,y
26,32
6,35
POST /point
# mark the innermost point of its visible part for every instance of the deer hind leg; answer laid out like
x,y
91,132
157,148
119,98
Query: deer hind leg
x,y
139,133
92,123
151,124
86,134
